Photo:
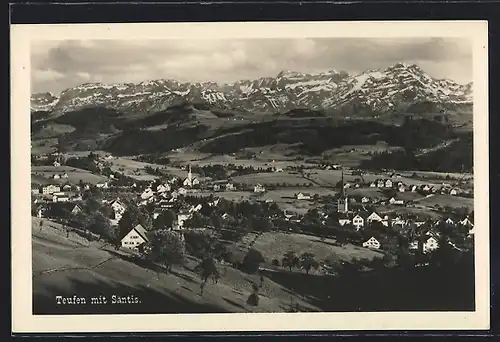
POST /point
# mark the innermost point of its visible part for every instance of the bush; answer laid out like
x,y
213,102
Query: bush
x,y
276,262
253,299
252,261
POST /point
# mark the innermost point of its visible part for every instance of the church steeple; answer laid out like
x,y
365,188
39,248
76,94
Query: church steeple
x,y
190,175
342,203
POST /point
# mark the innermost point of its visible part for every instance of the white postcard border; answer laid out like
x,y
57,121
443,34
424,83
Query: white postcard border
x,y
22,319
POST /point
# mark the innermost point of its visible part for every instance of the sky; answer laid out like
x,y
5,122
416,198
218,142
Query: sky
x,y
59,65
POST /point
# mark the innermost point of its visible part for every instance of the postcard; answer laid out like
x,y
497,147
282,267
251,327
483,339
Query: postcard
x,y
293,176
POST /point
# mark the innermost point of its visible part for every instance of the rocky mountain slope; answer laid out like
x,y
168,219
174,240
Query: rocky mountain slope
x,y
374,91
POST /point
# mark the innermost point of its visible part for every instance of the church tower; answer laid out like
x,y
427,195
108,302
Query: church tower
x,y
342,202
190,175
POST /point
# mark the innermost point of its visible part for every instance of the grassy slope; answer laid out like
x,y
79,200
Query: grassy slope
x,y
104,272
273,245
159,292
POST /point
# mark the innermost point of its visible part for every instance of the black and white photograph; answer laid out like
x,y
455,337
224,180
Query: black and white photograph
x,y
207,171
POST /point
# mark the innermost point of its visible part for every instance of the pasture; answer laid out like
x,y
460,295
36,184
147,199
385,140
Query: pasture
x,y
274,245
274,178
74,175
447,200
64,266
43,146
135,169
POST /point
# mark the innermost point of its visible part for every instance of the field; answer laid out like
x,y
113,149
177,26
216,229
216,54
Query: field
x,y
272,178
331,177
283,198
74,175
274,245
445,200
43,146
135,169
65,267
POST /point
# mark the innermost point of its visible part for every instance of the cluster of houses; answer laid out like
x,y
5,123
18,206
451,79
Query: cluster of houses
x,y
444,188
56,193
361,220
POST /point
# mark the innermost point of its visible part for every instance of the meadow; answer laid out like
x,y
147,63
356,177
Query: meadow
x,y
74,175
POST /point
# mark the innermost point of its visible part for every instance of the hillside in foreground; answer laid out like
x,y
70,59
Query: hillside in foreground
x,y
73,266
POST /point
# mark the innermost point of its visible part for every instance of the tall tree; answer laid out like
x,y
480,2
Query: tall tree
x,y
165,220
167,247
290,260
99,224
307,261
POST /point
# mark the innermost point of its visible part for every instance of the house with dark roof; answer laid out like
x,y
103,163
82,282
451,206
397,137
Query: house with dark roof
x,y
135,237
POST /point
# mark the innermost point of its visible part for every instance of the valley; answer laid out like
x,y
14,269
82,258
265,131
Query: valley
x,y
312,192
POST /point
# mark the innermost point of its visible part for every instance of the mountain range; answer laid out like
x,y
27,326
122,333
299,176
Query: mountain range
x,y
393,89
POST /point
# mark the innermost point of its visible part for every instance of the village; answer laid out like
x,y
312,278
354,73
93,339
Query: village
x,y
341,212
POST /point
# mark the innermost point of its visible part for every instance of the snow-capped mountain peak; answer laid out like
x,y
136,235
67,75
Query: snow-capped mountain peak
x,y
376,90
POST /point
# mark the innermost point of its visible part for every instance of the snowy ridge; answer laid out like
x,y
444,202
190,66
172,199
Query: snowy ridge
x,y
379,90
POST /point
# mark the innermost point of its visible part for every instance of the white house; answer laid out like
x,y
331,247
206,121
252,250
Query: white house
x,y
358,221
135,237
430,244
373,185
259,188
287,215
50,189
64,175
195,208
162,188
148,193
398,221
453,192
230,187
214,202
102,185
60,198
76,209
371,243
388,183
396,201
449,221
118,209
35,189
181,217
414,188
56,176
67,187
56,163
303,196
343,221
216,187
466,222
374,217
401,188
225,216
182,191
365,200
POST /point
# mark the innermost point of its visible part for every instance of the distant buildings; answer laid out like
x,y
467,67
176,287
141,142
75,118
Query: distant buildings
x,y
259,188
303,196
50,189
189,181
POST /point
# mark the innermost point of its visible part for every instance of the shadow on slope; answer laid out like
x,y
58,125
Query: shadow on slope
x,y
419,289
151,301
